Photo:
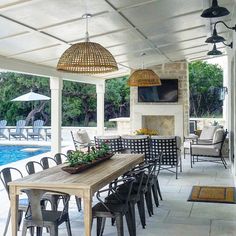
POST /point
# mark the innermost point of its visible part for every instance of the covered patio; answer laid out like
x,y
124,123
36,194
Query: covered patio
x,y
34,34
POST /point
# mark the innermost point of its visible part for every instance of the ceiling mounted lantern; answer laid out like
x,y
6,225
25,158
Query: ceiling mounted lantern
x,y
87,57
215,11
144,78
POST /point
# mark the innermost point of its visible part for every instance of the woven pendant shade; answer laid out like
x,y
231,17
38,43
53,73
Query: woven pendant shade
x,y
144,78
87,58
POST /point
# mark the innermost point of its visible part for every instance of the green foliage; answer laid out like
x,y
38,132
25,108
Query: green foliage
x,y
117,98
13,85
204,82
79,101
79,157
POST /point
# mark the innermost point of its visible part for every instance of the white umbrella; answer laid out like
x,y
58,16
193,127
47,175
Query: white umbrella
x,y
31,96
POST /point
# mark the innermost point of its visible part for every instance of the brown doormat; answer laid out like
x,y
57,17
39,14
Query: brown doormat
x,y
212,194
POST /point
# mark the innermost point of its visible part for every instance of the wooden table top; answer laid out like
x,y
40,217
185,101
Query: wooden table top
x,y
91,179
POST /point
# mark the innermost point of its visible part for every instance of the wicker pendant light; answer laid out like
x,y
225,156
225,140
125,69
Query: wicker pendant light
x,y
144,77
87,57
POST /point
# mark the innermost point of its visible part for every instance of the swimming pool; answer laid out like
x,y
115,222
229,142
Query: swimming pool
x,y
12,153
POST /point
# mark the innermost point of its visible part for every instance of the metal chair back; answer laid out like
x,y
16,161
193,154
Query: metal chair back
x,y
32,166
6,176
137,144
114,142
60,158
47,162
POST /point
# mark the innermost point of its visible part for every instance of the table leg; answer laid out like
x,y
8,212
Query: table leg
x,y
14,198
87,214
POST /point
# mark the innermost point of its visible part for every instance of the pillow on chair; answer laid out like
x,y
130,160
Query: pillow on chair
x,y
82,137
208,132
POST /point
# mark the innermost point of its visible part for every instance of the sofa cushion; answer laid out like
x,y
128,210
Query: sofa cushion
x,y
218,137
204,150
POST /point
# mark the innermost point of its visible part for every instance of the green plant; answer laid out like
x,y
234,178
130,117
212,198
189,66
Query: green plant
x,y
79,157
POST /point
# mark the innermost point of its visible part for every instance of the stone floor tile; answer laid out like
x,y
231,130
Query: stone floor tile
x,y
223,228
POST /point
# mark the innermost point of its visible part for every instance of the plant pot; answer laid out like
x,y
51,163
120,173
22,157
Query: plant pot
x,y
81,167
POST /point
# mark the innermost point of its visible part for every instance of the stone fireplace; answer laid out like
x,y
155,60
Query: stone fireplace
x,y
164,124
170,118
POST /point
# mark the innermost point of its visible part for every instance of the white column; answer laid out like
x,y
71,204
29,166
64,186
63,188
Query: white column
x,y
56,85
226,100
100,90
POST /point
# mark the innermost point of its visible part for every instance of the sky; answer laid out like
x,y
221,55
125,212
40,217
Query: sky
x,y
222,61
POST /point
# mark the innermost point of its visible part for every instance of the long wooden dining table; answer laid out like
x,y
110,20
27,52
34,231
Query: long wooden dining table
x,y
83,184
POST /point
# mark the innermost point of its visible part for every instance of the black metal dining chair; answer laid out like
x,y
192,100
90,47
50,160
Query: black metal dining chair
x,y
116,211
33,167
39,217
59,157
6,176
135,196
47,162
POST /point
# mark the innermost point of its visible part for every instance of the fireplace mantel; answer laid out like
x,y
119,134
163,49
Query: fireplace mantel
x,y
140,111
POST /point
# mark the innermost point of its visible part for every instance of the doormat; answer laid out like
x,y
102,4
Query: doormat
x,y
212,194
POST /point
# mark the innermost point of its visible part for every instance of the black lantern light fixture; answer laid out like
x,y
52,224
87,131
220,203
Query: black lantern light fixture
x,y
215,11
214,51
215,38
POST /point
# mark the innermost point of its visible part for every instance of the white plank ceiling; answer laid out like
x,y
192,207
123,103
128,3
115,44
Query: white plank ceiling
x,y
39,31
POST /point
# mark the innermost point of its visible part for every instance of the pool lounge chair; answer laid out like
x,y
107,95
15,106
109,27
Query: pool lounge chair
x,y
19,130
3,124
35,131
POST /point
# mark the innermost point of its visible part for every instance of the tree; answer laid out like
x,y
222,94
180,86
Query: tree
x,y
117,98
78,100
13,85
79,103
204,81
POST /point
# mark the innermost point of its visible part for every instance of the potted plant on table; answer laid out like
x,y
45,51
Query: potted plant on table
x,y
79,161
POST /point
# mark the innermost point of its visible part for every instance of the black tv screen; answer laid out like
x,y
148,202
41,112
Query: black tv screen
x,y
167,92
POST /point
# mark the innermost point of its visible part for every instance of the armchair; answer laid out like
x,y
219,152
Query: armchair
x,y
212,150
81,139
206,136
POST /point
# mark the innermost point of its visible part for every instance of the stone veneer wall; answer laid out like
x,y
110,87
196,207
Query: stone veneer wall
x,y
176,70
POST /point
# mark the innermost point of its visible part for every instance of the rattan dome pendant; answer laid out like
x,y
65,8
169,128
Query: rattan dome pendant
x,y
144,78
87,57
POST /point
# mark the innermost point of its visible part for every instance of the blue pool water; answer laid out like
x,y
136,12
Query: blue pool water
x,y
10,153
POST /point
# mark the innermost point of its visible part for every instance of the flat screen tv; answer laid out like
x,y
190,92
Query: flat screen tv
x,y
167,92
